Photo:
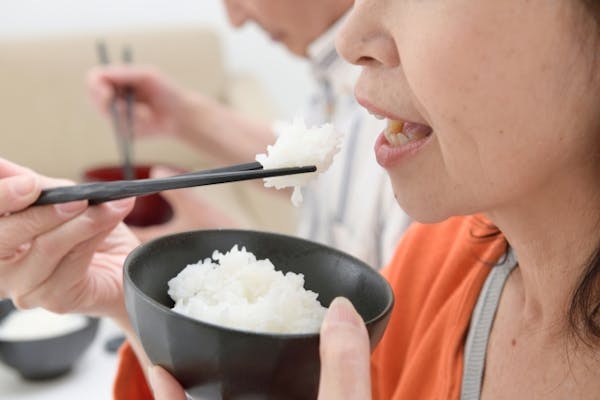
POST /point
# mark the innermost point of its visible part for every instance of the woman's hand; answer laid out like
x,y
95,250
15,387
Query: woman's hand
x,y
66,257
161,106
345,354
164,386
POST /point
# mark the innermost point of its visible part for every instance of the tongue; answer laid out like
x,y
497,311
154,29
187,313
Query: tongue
x,y
415,131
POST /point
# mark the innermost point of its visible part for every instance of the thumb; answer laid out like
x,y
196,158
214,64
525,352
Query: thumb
x,y
164,386
345,354
100,90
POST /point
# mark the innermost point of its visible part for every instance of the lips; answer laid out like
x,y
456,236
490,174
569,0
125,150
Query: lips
x,y
400,139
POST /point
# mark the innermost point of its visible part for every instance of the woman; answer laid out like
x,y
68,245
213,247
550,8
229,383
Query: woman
x,y
501,101
497,102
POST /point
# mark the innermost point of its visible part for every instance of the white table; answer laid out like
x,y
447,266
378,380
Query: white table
x,y
91,378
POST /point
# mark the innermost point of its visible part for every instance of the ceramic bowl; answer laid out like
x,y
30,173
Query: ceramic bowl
x,y
212,361
48,357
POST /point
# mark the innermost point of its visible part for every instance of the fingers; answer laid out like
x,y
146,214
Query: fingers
x,y
63,246
17,192
100,89
24,226
8,168
345,354
19,187
68,285
164,386
102,81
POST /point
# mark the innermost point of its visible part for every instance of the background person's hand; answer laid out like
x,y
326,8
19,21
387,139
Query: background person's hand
x,y
345,354
65,258
190,211
161,105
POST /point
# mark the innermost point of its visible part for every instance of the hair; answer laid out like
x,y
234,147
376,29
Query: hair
x,y
593,7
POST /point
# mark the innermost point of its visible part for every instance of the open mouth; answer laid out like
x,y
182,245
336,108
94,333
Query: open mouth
x,y
398,132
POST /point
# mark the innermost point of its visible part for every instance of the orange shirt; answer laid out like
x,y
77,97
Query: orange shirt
x,y
437,274
130,382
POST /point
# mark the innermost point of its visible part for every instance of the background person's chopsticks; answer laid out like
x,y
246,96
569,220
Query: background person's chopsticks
x,y
124,135
99,192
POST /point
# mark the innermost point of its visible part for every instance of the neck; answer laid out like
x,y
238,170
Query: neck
x,y
553,235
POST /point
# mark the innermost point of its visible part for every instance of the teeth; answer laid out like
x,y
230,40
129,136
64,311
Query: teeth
x,y
393,133
400,132
396,139
376,115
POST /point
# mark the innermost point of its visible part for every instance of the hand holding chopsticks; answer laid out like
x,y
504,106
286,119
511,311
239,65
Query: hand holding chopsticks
x,y
99,192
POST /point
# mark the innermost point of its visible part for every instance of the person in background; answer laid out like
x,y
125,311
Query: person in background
x,y
351,206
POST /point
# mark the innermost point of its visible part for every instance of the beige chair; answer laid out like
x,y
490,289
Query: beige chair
x,y
48,124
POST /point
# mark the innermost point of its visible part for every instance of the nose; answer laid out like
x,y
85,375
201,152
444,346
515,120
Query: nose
x,y
236,12
364,39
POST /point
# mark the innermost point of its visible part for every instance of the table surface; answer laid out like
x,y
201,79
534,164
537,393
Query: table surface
x,y
92,376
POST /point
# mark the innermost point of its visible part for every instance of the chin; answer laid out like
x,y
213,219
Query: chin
x,y
422,208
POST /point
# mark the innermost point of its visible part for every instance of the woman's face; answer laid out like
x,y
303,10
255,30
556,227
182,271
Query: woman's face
x,y
498,98
294,23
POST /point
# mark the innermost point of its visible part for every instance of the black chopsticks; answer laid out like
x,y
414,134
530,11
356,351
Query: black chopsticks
x,y
99,192
124,134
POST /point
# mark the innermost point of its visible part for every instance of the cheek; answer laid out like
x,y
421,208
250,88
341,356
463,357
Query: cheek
x,y
490,94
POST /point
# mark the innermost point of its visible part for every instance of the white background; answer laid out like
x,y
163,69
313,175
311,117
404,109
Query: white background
x,y
285,77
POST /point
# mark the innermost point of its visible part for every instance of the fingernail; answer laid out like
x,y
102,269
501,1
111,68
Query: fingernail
x,y
22,185
342,311
151,377
71,208
120,204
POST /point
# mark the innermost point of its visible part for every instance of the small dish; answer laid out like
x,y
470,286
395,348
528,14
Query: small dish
x,y
48,357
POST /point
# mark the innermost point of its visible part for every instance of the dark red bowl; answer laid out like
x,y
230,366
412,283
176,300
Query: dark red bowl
x,y
149,210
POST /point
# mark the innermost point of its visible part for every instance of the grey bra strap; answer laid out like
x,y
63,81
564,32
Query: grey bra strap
x,y
481,325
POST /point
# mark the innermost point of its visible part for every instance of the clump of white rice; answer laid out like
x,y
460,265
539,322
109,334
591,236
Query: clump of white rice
x,y
238,291
38,324
298,146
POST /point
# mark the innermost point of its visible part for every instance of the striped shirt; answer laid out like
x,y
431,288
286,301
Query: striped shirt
x,y
352,205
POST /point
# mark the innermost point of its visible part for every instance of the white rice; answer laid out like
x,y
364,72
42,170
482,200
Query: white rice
x,y
38,324
238,291
298,146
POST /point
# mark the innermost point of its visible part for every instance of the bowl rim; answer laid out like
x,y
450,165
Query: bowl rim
x,y
163,309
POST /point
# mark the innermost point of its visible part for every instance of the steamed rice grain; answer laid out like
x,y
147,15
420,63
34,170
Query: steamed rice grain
x,y
298,146
238,291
